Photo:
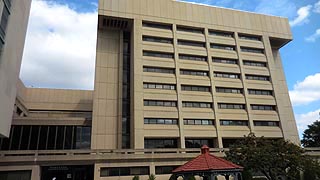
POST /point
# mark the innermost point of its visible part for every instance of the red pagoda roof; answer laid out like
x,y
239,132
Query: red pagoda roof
x,y
207,162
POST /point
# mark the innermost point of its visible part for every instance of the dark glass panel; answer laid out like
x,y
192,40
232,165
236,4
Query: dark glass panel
x,y
43,138
60,137
68,138
15,138
25,138
34,138
52,137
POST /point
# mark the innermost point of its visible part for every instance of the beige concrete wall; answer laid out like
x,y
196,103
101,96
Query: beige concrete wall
x,y
10,61
207,18
106,117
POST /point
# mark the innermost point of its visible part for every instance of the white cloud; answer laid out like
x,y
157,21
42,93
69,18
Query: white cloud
x,y
314,36
303,120
306,91
317,7
60,47
303,14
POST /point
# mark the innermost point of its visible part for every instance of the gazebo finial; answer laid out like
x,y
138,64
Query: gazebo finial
x,y
205,149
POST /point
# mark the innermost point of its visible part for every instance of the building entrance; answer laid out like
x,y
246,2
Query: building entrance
x,y
84,172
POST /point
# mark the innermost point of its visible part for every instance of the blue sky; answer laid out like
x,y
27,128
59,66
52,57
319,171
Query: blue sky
x,y
45,53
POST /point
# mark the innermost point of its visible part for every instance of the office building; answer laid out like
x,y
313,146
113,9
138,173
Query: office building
x,y
170,76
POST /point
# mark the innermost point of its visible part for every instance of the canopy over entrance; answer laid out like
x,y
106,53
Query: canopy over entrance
x,y
208,166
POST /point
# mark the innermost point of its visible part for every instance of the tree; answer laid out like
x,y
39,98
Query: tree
x,y
311,136
272,158
152,177
135,178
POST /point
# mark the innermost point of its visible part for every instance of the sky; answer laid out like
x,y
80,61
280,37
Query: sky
x,y
61,40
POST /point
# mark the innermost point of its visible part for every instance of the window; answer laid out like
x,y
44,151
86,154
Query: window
x,y
196,104
191,43
195,88
198,121
228,142
257,77
160,121
159,70
165,169
226,75
158,54
252,50
254,63
263,107
193,72
157,39
160,103
192,57
223,47
230,106
249,37
157,25
228,90
190,29
221,33
160,143
266,123
225,61
124,171
233,122
198,143
159,86
15,175
25,137
260,92
4,21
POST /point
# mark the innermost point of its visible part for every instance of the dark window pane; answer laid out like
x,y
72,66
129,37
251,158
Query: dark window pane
x,y
43,137
25,138
34,138
15,139
60,137
51,137
68,138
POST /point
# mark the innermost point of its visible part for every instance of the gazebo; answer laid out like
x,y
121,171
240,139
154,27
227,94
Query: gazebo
x,y
209,167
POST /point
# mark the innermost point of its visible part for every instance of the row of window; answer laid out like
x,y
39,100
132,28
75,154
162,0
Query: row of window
x,y
195,88
200,44
160,103
207,105
203,58
192,57
196,104
47,138
199,30
206,89
223,122
226,75
159,86
194,72
204,73
198,122
160,121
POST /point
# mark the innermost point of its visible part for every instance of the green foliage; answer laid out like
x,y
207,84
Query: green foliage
x,y
311,136
152,177
272,158
191,178
135,178
173,177
246,174
311,169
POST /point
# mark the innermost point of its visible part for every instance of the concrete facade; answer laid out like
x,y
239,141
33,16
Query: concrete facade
x,y
11,56
166,72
